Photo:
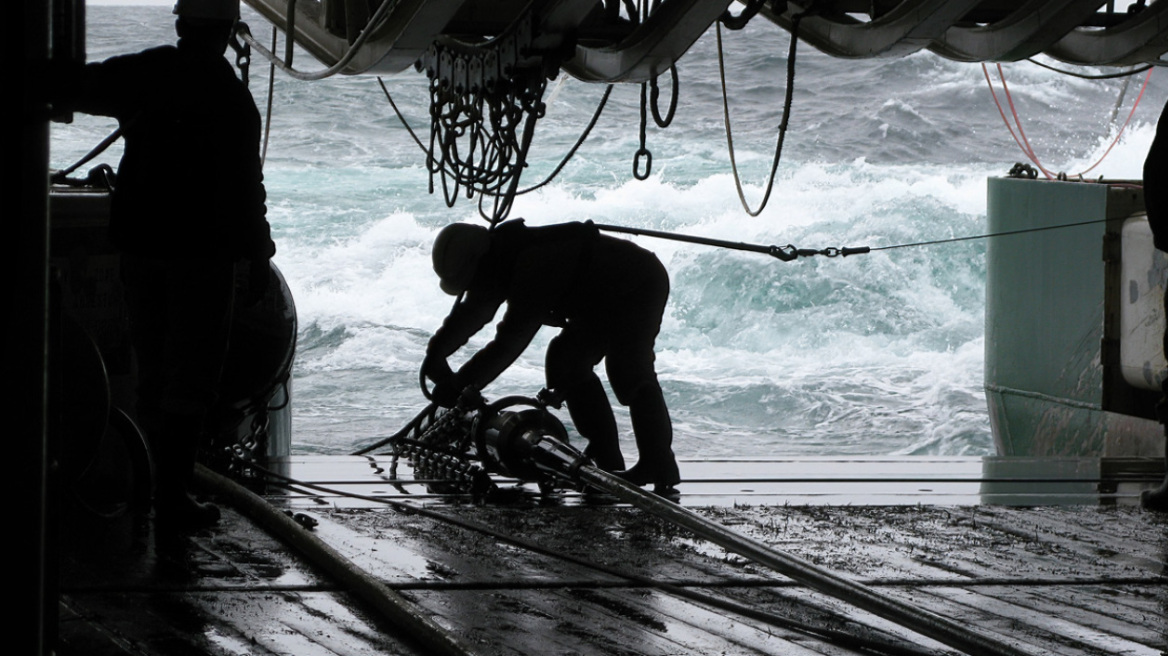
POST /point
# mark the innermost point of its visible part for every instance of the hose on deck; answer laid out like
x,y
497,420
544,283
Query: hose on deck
x,y
395,608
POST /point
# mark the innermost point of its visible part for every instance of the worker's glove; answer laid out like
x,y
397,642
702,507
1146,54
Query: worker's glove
x,y
446,394
446,390
436,369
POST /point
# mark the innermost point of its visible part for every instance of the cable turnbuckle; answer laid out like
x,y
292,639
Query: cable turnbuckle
x,y
790,252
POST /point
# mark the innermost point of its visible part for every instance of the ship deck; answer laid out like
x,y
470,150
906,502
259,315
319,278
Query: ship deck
x,y
1048,556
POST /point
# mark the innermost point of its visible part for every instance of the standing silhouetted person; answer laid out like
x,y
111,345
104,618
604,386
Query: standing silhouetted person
x,y
187,208
606,294
1156,202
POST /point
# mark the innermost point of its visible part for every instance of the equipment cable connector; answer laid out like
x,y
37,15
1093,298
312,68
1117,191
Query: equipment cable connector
x,y
790,252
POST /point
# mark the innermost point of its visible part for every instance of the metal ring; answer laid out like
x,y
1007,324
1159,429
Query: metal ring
x,y
642,152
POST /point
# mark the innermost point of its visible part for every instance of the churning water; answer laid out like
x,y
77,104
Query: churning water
x,y
871,354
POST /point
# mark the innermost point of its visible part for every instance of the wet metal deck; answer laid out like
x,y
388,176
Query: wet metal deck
x,y
565,576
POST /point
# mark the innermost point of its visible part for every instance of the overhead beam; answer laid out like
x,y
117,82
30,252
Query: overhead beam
x,y
410,27
1032,27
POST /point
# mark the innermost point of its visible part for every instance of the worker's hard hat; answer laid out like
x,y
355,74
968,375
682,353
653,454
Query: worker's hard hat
x,y
457,251
208,9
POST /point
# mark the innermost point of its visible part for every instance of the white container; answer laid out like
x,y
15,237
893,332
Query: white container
x,y
1141,318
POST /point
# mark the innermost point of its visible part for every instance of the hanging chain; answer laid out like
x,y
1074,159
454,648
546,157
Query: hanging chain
x,y
241,456
643,153
242,51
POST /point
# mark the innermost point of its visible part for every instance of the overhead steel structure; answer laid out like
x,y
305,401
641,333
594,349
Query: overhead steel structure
x,y
634,40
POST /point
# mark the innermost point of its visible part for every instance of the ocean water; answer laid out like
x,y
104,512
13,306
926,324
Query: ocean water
x,y
878,354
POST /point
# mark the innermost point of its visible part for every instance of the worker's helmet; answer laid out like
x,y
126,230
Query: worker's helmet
x,y
457,251
218,10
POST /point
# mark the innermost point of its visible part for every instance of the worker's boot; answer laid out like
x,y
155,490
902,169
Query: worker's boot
x,y
1157,499
653,430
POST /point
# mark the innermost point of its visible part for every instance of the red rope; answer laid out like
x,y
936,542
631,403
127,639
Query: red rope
x,y
1125,123
1024,143
985,71
1018,121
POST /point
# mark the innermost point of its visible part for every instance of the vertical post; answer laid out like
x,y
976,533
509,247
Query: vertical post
x,y
25,272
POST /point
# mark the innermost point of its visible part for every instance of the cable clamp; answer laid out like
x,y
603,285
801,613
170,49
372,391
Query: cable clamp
x,y
784,253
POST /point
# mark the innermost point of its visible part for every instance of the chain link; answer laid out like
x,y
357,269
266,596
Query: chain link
x,y
242,457
443,452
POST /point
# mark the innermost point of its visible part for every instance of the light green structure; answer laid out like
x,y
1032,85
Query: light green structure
x,y
1054,298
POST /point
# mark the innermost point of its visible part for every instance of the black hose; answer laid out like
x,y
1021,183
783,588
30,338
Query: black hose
x,y
395,608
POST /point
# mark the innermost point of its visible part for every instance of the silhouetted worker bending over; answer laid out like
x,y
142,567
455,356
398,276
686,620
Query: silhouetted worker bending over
x,y
1156,202
187,207
607,295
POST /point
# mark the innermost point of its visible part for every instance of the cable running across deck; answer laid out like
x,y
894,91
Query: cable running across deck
x,y
872,642
911,617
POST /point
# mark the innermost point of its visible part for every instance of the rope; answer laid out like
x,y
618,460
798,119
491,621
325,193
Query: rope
x,y
1084,76
559,168
1023,143
997,234
789,252
782,125
1020,136
268,111
400,117
654,98
480,134
579,142
1140,97
411,426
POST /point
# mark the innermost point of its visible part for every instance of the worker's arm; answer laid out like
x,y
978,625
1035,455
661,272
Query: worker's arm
x,y
513,334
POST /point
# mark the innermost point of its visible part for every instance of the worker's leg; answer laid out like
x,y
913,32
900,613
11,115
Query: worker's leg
x,y
654,433
571,357
630,363
1157,499
181,314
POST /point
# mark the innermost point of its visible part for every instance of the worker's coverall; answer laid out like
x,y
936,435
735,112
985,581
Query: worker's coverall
x,y
608,296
